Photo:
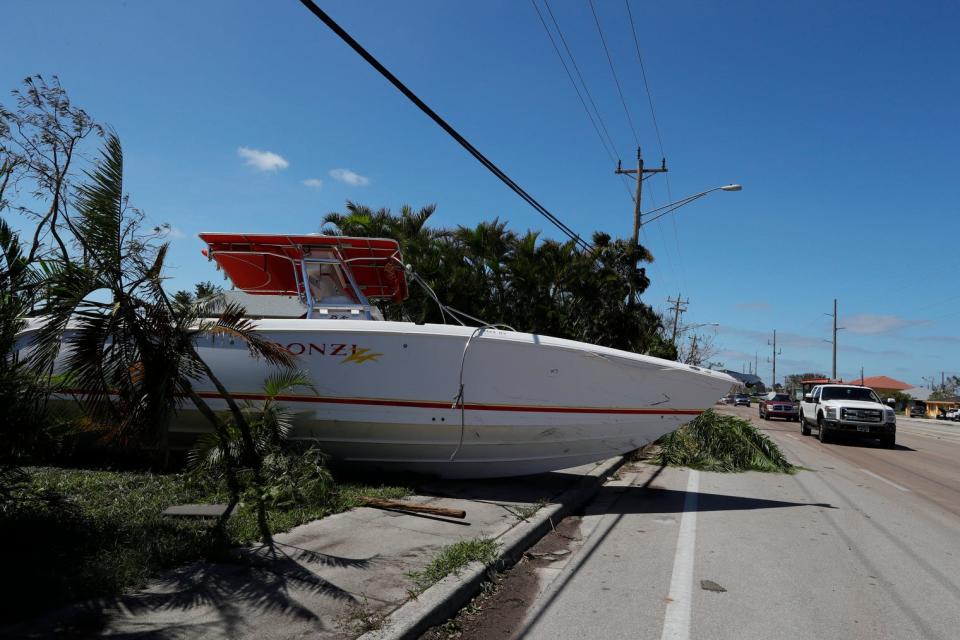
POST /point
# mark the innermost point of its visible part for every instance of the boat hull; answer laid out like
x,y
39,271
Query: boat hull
x,y
463,403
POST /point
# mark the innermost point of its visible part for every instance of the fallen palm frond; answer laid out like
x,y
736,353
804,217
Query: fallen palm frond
x,y
713,442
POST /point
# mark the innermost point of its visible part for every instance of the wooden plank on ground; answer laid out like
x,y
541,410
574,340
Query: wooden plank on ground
x,y
414,508
196,510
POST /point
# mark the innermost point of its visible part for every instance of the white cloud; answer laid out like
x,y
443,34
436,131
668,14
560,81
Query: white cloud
x,y
262,160
349,177
313,183
176,234
871,324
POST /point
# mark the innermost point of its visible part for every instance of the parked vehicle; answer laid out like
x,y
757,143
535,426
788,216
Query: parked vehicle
x,y
727,399
741,400
918,409
778,405
952,415
835,409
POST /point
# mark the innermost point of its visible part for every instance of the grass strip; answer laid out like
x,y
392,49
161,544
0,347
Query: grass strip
x,y
713,442
452,559
105,534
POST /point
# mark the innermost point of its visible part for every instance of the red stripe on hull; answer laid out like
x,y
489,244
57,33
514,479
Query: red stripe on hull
x,y
425,404
433,404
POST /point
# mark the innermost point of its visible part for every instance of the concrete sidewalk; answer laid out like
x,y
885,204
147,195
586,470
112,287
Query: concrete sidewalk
x,y
331,578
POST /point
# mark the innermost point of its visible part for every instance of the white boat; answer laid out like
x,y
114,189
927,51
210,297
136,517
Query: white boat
x,y
449,400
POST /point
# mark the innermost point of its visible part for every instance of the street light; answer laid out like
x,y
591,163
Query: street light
x,y
691,327
702,324
673,206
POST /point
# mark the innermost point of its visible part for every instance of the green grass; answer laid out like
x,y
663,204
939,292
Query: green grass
x,y
452,559
105,534
714,442
525,512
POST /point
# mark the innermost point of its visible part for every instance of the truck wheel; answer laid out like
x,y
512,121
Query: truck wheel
x,y
804,427
822,430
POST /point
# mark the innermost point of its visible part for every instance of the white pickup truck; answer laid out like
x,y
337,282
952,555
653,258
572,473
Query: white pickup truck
x,y
835,409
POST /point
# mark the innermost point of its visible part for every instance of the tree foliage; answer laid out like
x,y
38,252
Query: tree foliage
x,y
531,284
42,154
949,388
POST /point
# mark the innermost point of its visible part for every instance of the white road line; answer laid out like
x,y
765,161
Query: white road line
x,y
676,622
882,479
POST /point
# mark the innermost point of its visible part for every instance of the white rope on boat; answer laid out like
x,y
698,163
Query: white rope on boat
x,y
458,399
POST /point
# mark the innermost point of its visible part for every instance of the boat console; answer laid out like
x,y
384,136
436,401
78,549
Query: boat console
x,y
335,277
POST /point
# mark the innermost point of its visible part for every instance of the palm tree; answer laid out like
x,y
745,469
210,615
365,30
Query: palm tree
x,y
23,429
130,352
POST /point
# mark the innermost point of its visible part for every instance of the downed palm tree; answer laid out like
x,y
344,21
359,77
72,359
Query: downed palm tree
x,y
130,352
713,442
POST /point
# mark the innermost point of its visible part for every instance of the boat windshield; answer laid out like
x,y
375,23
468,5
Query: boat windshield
x,y
328,285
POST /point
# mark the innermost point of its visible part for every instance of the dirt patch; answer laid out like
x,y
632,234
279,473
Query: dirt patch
x,y
499,609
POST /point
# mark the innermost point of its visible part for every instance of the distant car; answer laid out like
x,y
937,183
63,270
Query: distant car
x,y
952,415
726,400
918,410
741,400
779,405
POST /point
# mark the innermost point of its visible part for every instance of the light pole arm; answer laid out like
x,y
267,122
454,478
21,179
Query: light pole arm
x,y
673,206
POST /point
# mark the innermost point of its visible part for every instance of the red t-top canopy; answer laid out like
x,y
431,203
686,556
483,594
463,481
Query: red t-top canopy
x,y
267,264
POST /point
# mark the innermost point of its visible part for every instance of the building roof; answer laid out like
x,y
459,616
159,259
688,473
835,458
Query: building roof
x,y
918,393
881,382
951,400
747,379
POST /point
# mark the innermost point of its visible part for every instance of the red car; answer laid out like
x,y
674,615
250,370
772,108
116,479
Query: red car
x,y
779,405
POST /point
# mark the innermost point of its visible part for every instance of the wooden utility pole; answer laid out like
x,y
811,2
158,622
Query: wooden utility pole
x,y
834,341
775,354
679,307
638,172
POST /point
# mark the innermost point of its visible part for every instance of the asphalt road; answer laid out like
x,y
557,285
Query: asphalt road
x,y
864,544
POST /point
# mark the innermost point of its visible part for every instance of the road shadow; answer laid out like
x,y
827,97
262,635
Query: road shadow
x,y
635,500
221,596
866,444
522,489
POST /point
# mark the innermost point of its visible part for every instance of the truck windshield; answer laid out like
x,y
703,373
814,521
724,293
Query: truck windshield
x,y
781,397
849,393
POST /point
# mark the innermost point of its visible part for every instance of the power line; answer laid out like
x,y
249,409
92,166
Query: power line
x,y
611,154
576,68
611,151
616,80
453,133
656,128
643,74
583,83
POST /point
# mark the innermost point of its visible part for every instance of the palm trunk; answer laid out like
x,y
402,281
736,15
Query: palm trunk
x,y
251,457
233,484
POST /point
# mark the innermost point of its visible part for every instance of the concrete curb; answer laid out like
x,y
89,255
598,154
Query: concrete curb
x,y
442,601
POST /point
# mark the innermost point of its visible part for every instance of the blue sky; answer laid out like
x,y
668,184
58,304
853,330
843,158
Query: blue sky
x,y
840,120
